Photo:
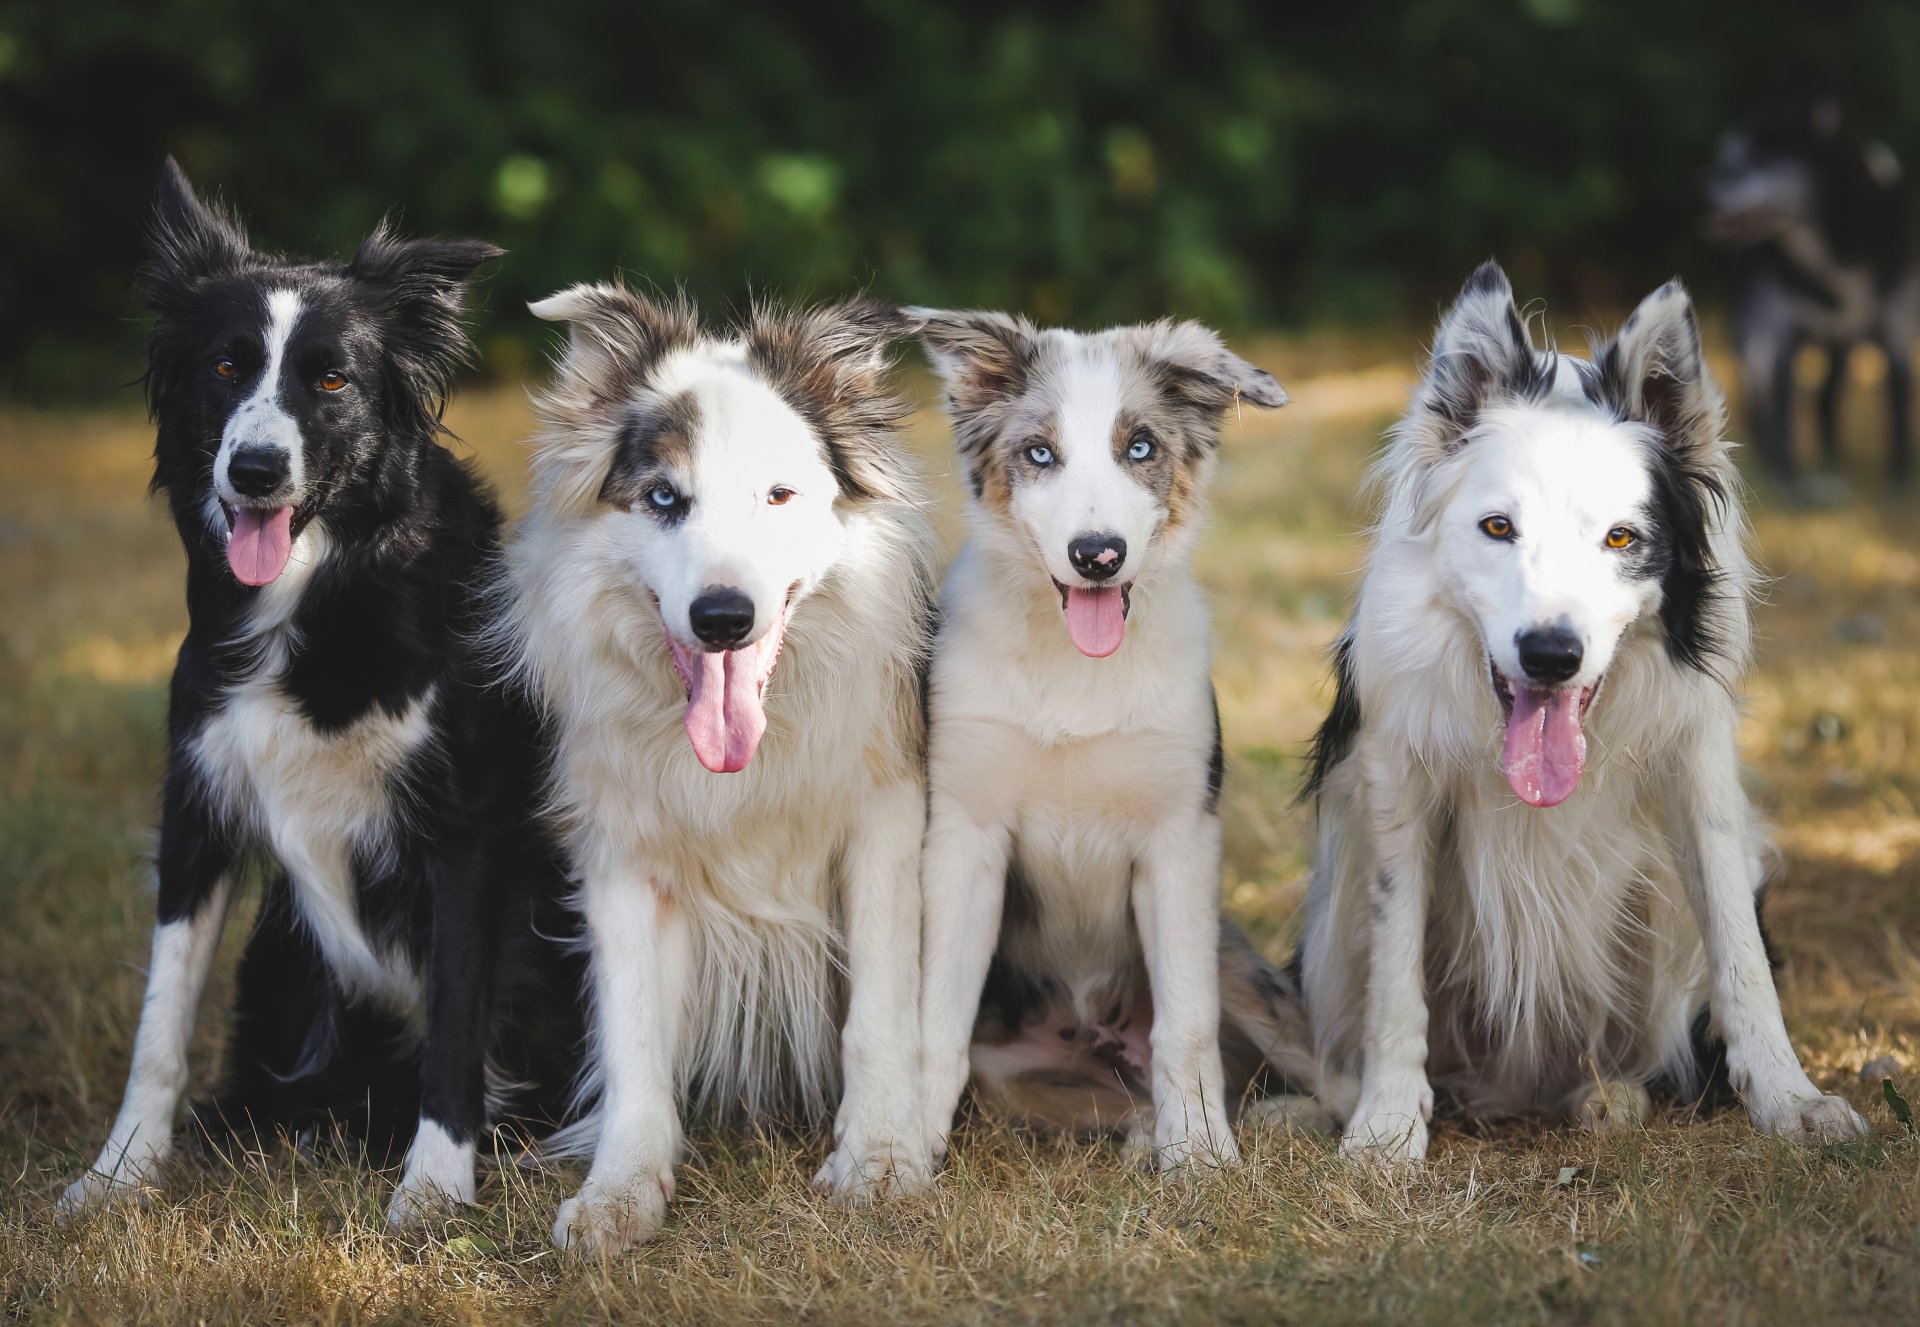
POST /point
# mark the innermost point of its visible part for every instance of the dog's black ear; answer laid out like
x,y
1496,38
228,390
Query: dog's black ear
x,y
614,336
1655,371
420,286
831,365
982,357
1480,351
190,241
1196,369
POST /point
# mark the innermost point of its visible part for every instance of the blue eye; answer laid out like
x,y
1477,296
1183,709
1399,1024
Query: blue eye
x,y
661,497
1141,447
1040,454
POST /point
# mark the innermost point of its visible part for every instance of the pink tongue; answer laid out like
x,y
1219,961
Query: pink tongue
x,y
1545,748
260,544
725,718
1097,620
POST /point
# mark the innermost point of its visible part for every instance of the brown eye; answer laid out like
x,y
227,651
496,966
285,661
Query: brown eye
x,y
1497,527
224,368
332,380
1621,537
779,495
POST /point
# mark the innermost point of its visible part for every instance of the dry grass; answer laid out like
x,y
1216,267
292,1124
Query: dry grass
x,y
1509,1223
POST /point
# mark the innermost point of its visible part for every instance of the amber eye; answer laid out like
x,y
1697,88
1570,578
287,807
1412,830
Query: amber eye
x,y
1621,537
224,368
1497,527
332,380
779,495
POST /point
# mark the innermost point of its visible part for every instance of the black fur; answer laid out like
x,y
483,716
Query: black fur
x,y
1334,738
470,893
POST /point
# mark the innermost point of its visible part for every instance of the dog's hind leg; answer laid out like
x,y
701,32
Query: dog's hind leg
x,y
195,890
1609,1105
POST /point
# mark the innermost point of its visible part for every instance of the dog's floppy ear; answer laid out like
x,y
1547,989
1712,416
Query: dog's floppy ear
x,y
983,357
190,241
1196,369
831,365
1481,350
1655,372
614,335
420,287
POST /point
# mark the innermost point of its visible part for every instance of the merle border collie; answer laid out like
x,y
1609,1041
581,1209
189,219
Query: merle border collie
x,y
1538,872
1076,966
722,597
325,721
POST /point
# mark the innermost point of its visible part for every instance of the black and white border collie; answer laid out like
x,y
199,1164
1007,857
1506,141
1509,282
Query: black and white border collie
x,y
324,719
1072,869
723,596
1537,866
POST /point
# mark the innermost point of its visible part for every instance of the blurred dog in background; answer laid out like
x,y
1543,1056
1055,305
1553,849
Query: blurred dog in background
x,y
1820,225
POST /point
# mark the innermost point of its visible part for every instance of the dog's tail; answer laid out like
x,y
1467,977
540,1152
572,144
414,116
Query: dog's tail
x,y
1265,1039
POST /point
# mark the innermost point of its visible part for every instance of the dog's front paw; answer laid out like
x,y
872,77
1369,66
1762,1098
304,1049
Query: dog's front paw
x,y
1390,1129
860,1172
599,1221
1809,1117
1210,1147
438,1179
1611,1106
97,1189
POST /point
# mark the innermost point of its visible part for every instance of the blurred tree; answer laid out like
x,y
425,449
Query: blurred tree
x,y
1240,161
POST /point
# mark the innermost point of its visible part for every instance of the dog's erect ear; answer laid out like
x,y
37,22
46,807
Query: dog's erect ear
x,y
982,357
1655,371
1481,349
1196,369
420,286
190,241
614,335
831,364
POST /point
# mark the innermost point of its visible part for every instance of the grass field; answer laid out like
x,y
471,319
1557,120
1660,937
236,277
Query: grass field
x,y
1510,1223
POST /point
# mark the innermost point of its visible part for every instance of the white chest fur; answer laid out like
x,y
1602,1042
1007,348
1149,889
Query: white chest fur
x,y
317,801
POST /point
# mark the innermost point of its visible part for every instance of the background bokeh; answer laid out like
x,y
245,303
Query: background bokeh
x,y
1251,163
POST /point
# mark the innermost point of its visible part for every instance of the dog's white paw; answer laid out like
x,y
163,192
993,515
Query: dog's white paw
x,y
97,1189
438,1178
860,1173
1808,1118
1390,1129
1611,1106
1186,1152
599,1221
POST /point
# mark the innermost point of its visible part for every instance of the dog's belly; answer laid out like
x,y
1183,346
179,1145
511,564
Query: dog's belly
x,y
318,802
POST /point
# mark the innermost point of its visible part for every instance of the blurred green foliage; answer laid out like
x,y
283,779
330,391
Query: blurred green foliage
x,y
1245,162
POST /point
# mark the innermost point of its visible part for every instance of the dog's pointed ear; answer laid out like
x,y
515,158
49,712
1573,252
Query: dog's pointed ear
x,y
1655,371
831,365
614,335
190,240
1195,368
421,287
1481,349
982,357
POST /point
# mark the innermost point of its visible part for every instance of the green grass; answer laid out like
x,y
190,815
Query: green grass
x,y
1685,1219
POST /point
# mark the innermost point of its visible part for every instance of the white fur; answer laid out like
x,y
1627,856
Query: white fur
x,y
1089,774
1519,954
261,421
724,909
438,1174
142,1134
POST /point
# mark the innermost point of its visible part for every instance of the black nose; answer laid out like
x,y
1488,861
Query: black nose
x,y
1097,556
257,472
1550,654
722,617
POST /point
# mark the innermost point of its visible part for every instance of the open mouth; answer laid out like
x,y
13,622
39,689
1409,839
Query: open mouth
x,y
1096,616
259,542
726,693
1545,749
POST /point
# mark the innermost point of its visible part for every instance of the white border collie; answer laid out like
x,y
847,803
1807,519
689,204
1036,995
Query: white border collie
x,y
723,596
1537,865
1075,755
325,720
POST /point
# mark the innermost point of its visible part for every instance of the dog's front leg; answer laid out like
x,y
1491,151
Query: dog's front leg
x,y
194,893
880,1137
963,885
1396,1100
1721,878
1176,907
642,956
